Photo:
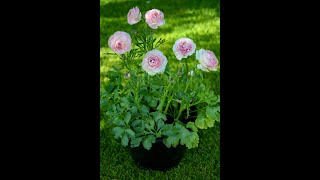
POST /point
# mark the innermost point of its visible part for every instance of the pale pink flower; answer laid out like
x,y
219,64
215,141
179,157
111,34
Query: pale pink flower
x,y
208,61
154,18
183,48
134,16
154,62
120,42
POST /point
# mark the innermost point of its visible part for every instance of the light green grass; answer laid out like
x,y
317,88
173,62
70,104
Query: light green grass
x,y
198,20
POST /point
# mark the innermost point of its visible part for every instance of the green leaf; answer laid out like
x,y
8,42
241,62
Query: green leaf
x,y
167,130
158,134
153,103
114,108
135,142
125,100
193,140
116,94
147,98
112,74
140,128
134,109
209,122
148,126
103,102
115,68
152,123
117,131
178,126
174,140
192,126
109,88
200,121
119,122
136,123
160,123
174,104
166,142
211,112
143,92
144,109
119,108
183,140
158,115
124,140
130,133
147,143
218,117
127,117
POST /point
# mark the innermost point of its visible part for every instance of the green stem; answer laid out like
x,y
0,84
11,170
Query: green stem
x,y
170,99
185,91
187,68
136,94
164,98
180,111
125,63
196,103
137,101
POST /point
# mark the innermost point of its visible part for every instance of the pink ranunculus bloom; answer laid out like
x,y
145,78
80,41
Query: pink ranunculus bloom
x,y
208,61
183,48
154,62
134,16
154,18
120,42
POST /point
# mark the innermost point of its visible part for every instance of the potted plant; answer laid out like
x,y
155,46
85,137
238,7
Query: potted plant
x,y
157,109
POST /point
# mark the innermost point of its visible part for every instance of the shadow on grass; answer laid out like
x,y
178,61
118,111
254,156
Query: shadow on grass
x,y
177,13
177,6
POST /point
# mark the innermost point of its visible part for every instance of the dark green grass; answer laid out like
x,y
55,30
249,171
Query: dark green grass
x,y
196,19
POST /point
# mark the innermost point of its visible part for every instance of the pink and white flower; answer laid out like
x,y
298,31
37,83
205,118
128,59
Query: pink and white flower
x,y
134,15
208,61
154,62
154,18
120,42
183,48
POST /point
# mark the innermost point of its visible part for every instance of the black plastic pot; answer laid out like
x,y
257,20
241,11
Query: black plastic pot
x,y
159,157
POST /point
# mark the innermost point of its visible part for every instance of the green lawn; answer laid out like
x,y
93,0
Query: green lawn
x,y
198,20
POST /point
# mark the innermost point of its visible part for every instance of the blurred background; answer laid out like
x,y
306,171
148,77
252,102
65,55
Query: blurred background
x,y
198,20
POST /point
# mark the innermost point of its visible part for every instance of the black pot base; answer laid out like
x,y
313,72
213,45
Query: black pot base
x,y
159,157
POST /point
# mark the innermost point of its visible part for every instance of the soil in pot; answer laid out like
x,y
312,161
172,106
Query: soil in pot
x,y
159,157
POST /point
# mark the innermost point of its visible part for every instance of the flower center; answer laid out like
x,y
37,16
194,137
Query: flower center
x,y
153,61
156,18
185,47
119,45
